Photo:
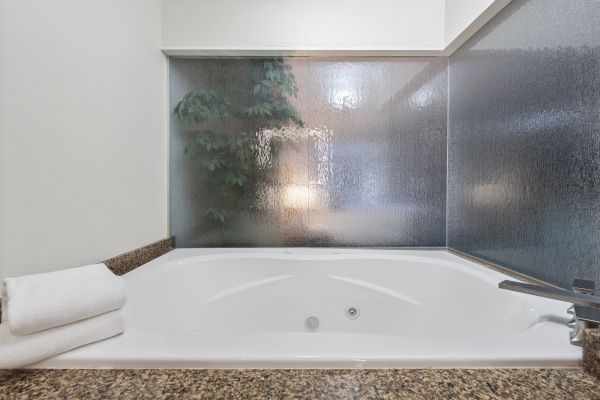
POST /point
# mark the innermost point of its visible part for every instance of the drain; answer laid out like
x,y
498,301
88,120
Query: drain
x,y
312,323
352,312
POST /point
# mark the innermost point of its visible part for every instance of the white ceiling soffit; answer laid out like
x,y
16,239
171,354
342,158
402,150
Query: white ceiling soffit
x,y
322,27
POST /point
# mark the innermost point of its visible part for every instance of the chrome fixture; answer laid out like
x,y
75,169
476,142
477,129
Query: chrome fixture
x,y
312,323
585,307
352,312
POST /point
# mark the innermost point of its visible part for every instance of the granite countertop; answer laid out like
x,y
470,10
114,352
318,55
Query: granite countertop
x,y
427,384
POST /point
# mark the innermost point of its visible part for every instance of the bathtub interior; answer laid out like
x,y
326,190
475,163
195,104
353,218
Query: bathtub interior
x,y
252,308
252,294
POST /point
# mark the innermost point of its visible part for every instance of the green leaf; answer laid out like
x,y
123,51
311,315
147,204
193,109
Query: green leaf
x,y
228,157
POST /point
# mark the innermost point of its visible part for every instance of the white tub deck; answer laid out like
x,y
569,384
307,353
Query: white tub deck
x,y
247,308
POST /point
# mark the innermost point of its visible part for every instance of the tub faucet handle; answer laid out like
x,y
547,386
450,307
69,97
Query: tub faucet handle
x,y
576,337
583,286
584,317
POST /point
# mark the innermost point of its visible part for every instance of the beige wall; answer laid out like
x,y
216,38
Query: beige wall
x,y
314,27
83,138
307,24
463,18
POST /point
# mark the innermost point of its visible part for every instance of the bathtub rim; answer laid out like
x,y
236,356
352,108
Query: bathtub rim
x,y
553,359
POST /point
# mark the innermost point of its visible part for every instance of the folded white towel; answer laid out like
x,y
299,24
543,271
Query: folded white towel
x,y
17,351
42,301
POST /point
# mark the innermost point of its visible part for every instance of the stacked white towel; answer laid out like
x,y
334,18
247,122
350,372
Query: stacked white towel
x,y
47,314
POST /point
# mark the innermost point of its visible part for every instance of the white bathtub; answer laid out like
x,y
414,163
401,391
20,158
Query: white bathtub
x,y
232,308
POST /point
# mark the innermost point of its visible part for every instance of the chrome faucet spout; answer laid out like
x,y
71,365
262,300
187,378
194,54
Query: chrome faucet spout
x,y
585,307
586,300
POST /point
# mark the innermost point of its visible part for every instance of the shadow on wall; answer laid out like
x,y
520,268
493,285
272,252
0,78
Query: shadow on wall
x,y
358,160
524,141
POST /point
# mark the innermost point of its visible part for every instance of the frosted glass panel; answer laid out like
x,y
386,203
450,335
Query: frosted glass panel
x,y
385,122
341,152
524,141
234,173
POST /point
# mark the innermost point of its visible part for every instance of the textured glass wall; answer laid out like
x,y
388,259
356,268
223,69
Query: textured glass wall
x,y
387,175
524,141
308,152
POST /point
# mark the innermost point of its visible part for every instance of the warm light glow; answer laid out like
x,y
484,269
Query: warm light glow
x,y
344,99
297,197
493,195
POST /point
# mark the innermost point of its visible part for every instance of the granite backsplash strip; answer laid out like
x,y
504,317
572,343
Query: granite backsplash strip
x,y
126,262
591,352
428,384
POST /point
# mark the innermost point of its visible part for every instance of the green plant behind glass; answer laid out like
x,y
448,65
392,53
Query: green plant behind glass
x,y
226,125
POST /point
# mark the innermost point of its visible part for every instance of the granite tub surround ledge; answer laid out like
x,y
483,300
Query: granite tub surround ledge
x,y
591,352
427,384
130,260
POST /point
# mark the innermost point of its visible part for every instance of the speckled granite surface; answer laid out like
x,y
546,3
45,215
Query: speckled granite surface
x,y
299,384
126,262
591,351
